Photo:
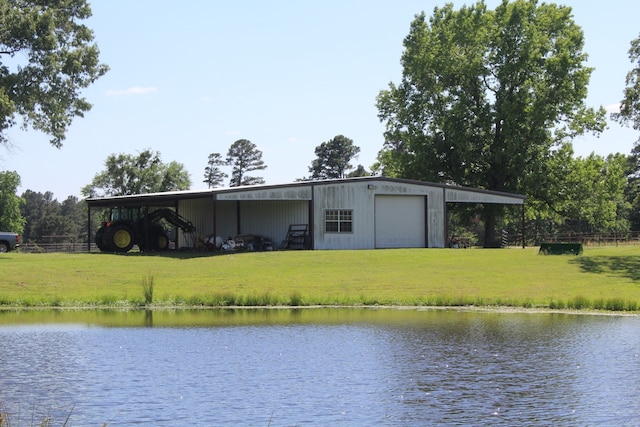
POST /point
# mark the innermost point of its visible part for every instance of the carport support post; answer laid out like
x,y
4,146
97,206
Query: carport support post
x,y
311,224
445,216
176,230
147,238
238,218
523,228
214,216
89,229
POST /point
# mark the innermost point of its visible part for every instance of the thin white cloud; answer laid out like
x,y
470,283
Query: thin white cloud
x,y
135,90
613,108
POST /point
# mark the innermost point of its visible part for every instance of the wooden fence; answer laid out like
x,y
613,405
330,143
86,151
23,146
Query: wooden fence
x,y
596,239
69,247
587,239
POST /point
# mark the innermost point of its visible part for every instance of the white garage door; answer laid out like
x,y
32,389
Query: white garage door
x,y
400,221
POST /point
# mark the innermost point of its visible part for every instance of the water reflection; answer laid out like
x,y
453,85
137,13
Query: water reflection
x,y
320,367
205,317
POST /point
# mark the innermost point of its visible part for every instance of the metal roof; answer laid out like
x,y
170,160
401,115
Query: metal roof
x,y
170,198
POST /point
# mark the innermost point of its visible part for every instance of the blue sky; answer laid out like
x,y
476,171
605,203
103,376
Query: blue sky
x,y
188,81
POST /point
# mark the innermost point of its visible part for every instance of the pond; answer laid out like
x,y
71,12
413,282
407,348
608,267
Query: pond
x,y
339,367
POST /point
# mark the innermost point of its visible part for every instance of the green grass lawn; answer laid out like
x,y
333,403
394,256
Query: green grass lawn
x,y
602,278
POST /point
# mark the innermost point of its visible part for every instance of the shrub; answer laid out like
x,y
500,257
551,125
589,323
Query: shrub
x,y
578,302
615,304
295,298
147,288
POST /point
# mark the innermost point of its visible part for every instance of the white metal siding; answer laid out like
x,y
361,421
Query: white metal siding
x,y
272,218
456,195
226,219
400,221
198,211
435,206
356,197
436,219
302,192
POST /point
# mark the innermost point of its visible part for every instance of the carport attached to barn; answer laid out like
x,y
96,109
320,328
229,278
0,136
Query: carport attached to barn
x,y
355,213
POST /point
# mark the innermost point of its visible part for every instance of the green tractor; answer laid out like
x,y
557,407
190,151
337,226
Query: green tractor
x,y
128,226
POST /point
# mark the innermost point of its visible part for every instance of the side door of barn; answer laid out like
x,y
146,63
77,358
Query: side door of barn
x,y
400,221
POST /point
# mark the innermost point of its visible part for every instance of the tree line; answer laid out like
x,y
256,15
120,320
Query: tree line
x,y
491,99
38,217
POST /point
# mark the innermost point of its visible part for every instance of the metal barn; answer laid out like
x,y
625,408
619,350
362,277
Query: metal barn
x,y
354,213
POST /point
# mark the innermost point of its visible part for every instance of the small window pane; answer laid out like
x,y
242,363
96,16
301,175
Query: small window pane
x,y
345,215
345,227
331,227
331,216
338,221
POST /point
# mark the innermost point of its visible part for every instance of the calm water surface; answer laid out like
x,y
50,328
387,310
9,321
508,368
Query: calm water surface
x,y
346,367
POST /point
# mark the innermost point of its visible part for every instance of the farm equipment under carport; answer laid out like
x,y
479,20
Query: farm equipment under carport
x,y
128,226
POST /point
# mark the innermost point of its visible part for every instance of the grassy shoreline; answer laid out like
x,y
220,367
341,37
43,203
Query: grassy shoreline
x,y
602,279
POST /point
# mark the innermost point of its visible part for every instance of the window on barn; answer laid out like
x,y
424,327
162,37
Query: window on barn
x,y
338,221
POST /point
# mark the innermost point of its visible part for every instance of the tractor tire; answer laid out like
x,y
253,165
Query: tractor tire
x,y
101,239
162,241
158,241
121,238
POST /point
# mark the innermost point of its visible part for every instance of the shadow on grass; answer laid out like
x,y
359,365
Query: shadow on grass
x,y
625,266
170,254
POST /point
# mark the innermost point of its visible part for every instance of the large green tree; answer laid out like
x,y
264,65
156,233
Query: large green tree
x,y
633,186
333,158
46,57
126,174
630,114
10,217
213,175
244,156
630,104
485,97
